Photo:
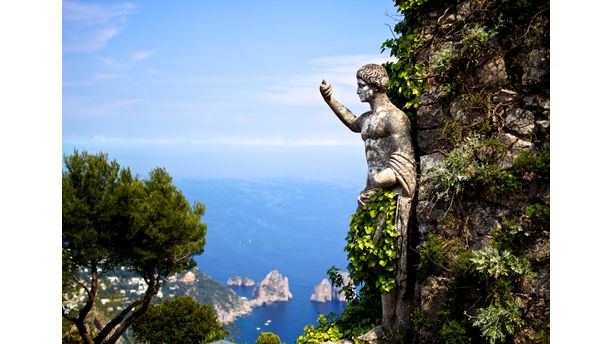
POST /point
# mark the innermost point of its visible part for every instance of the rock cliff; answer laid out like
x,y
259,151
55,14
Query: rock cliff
x,y
274,287
240,281
482,125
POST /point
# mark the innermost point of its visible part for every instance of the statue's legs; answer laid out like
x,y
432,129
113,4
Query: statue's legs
x,y
402,293
388,308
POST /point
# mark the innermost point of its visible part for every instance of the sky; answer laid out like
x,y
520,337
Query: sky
x,y
219,88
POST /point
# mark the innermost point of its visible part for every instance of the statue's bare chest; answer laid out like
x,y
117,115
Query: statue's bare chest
x,y
374,126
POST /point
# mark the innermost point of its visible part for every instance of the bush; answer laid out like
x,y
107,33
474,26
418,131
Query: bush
x,y
179,320
268,338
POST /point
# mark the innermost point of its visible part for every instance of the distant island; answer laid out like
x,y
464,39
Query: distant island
x,y
239,281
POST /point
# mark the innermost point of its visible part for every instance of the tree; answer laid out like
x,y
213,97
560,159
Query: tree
x,y
112,219
179,320
268,338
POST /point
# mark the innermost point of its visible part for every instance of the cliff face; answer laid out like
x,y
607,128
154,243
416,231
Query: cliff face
x,y
482,138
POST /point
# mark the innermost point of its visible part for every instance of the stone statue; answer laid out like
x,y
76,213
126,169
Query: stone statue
x,y
385,130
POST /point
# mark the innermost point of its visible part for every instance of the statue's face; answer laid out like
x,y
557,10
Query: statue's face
x,y
364,91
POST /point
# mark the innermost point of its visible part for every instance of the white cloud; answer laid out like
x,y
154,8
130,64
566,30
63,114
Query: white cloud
x,y
88,27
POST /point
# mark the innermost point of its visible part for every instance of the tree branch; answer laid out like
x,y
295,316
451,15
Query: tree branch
x,y
152,290
68,317
116,321
91,294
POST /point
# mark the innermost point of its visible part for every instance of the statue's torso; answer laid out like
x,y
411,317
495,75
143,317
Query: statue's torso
x,y
376,129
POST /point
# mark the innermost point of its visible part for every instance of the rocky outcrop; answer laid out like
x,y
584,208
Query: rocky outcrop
x,y
240,281
498,94
228,316
273,288
322,292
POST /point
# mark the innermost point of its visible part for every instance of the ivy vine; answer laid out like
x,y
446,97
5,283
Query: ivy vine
x,y
371,244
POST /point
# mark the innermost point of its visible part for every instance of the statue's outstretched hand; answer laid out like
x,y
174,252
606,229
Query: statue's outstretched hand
x,y
326,90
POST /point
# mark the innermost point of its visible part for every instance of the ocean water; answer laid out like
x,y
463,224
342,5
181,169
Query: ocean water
x,y
295,226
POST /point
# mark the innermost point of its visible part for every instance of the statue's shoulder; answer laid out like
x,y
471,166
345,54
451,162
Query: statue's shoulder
x,y
396,114
364,116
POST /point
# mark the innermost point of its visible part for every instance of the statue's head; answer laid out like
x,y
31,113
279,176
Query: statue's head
x,y
375,76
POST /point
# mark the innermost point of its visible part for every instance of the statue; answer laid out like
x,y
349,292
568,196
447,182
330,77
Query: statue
x,y
385,131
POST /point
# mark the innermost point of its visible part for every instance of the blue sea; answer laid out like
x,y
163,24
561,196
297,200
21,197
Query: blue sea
x,y
295,226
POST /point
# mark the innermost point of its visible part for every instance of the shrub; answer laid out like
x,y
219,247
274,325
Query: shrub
x,y
180,319
268,338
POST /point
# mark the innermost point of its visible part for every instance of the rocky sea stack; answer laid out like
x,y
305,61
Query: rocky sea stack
x,y
275,287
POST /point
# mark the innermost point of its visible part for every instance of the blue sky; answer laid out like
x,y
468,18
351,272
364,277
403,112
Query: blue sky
x,y
218,88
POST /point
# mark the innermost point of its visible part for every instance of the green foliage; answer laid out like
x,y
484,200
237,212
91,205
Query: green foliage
x,y
433,256
530,166
441,61
453,332
449,330
371,242
331,329
326,330
538,216
338,282
500,319
474,164
514,234
407,75
70,335
180,319
493,264
268,338
358,317
475,38
497,180
111,219
482,282
396,336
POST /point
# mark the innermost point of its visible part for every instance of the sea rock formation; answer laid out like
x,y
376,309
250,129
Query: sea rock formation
x,y
273,288
322,292
240,281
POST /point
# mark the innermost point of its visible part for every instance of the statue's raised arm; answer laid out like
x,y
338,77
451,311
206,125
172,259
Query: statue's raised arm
x,y
345,115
